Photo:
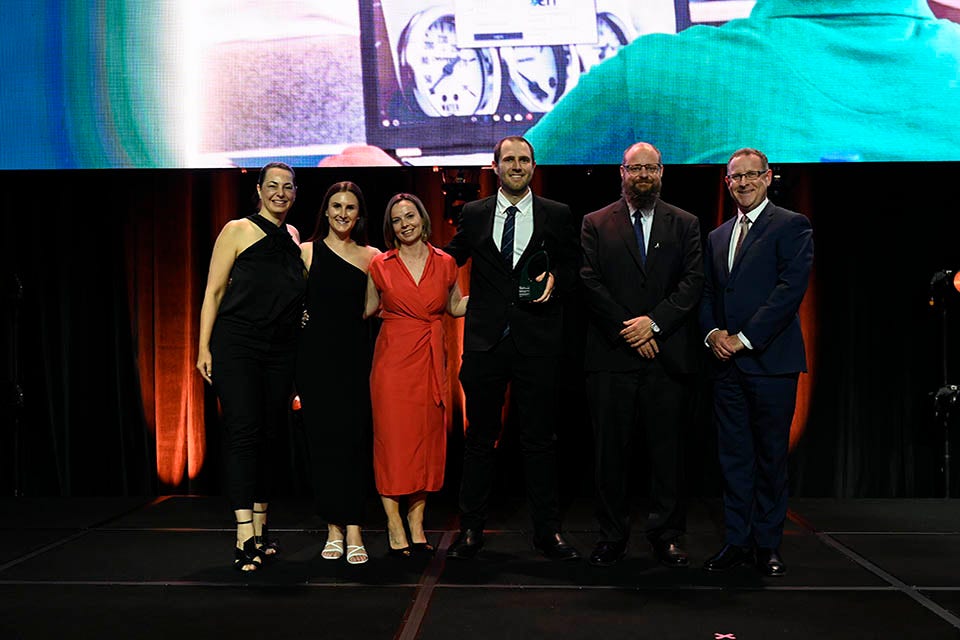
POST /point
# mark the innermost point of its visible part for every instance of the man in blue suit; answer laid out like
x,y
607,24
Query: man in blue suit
x,y
756,269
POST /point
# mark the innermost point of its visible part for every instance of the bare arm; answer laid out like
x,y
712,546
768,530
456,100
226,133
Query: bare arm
x,y
225,251
372,252
457,302
373,298
306,254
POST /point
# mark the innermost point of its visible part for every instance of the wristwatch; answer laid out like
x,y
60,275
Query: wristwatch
x,y
654,327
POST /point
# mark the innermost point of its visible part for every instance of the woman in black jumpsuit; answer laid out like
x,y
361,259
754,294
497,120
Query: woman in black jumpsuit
x,y
248,335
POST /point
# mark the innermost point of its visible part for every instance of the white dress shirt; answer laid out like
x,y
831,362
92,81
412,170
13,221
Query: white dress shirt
x,y
646,221
522,222
753,215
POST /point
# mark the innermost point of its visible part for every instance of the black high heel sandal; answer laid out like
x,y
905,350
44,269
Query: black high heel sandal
x,y
264,544
249,555
424,548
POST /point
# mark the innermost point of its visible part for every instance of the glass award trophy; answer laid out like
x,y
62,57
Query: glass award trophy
x,y
529,289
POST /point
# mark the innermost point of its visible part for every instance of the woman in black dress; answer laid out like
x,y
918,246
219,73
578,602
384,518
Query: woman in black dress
x,y
333,368
249,325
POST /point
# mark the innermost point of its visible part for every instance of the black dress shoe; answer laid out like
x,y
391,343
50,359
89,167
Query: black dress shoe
x,y
669,553
467,544
727,558
555,547
770,563
607,554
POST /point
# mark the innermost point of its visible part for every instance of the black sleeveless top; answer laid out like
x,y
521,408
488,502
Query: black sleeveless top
x,y
267,283
336,296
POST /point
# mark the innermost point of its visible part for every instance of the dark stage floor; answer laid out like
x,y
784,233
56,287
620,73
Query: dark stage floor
x,y
159,568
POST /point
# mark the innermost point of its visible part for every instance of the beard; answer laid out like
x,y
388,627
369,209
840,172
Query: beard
x,y
641,194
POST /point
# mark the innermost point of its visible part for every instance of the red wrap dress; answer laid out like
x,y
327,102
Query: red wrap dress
x,y
408,379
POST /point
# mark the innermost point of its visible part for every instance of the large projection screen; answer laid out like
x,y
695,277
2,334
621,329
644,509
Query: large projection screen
x,y
223,83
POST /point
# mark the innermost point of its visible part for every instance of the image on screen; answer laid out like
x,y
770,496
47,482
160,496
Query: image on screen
x,y
226,83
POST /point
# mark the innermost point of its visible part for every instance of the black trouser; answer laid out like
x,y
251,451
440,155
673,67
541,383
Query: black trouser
x,y
650,406
532,379
253,376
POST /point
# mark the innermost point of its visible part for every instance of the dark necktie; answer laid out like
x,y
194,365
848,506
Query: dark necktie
x,y
506,240
638,230
744,227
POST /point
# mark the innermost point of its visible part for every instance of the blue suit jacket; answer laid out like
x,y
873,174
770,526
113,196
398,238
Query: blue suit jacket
x,y
761,294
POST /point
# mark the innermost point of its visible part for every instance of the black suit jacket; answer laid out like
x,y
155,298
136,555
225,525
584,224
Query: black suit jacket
x,y
761,295
494,300
620,287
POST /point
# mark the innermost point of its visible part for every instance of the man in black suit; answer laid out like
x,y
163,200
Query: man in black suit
x,y
643,276
509,341
757,266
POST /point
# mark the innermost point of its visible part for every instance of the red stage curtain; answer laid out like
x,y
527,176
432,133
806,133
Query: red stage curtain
x,y
169,241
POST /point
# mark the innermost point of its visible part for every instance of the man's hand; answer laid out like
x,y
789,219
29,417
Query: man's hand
x,y
649,349
723,345
637,330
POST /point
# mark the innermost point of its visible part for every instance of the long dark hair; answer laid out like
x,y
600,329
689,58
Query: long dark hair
x,y
359,232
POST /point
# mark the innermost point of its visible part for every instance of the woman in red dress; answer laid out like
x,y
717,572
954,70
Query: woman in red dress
x,y
412,285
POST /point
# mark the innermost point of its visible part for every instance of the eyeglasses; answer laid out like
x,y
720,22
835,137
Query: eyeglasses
x,y
634,169
746,175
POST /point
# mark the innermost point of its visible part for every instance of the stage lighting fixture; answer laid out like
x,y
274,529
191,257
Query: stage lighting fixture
x,y
458,190
944,284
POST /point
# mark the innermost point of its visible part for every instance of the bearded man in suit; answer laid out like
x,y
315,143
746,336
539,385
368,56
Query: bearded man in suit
x,y
643,277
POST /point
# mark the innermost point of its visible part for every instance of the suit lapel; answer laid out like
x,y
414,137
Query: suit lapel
x,y
624,226
662,218
486,227
721,249
757,229
485,239
536,242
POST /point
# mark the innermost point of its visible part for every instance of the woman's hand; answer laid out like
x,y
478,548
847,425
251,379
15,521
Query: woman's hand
x,y
549,288
205,364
